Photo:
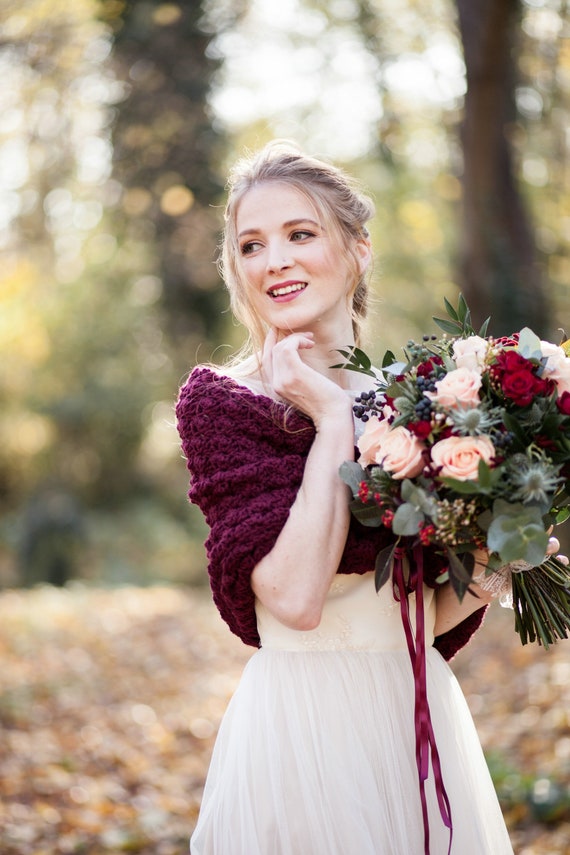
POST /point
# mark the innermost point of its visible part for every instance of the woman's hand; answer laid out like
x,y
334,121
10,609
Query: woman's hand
x,y
499,582
302,386
552,549
450,612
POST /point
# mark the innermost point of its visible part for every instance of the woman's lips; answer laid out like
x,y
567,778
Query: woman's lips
x,y
286,290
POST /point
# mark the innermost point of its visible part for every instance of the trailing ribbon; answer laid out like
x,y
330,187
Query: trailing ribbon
x,y
425,738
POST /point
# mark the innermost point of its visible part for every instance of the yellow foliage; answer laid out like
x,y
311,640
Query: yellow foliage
x,y
23,334
166,14
20,277
136,200
448,187
422,221
28,17
559,269
24,434
176,200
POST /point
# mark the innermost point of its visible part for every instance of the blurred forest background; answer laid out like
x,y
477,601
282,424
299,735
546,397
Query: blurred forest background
x,y
118,121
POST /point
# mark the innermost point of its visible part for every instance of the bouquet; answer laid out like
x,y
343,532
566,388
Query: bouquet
x,y
466,446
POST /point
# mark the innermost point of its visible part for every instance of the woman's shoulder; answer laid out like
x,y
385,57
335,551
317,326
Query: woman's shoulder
x,y
237,407
209,383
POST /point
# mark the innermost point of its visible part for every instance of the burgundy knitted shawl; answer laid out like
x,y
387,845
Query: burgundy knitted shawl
x,y
246,456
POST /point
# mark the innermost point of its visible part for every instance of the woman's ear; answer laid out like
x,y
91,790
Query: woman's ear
x,y
363,250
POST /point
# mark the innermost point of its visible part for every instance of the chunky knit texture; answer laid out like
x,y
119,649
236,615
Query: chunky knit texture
x,y
246,455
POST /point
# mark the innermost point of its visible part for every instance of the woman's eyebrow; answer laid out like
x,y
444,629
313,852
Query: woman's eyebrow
x,y
286,225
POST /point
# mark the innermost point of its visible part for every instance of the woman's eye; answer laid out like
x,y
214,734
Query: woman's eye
x,y
301,235
249,247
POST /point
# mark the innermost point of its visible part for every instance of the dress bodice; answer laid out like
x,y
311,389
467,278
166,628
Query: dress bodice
x,y
354,617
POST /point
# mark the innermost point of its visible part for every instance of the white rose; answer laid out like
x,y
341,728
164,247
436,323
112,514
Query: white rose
x,y
470,352
557,366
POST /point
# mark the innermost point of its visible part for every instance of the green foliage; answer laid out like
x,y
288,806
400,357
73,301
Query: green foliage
x,y
356,360
459,323
517,532
110,246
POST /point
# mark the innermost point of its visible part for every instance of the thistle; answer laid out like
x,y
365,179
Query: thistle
x,y
532,476
473,421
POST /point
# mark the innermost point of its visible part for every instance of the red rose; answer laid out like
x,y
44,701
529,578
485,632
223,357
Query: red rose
x,y
545,387
510,360
421,429
521,387
425,368
563,403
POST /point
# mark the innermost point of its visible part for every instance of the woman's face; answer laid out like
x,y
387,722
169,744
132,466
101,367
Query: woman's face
x,y
297,276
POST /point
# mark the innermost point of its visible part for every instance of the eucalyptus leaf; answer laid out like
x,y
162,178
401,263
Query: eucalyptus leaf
x,y
352,474
368,515
419,498
516,510
407,520
517,536
529,344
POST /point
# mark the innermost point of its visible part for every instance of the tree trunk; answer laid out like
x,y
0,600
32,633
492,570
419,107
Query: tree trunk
x,y
498,269
167,156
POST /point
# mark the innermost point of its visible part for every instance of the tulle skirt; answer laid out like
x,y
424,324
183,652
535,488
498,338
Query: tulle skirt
x,y
316,756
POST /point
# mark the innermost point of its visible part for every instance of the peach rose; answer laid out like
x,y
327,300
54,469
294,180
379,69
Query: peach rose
x,y
401,453
459,388
369,443
470,352
459,456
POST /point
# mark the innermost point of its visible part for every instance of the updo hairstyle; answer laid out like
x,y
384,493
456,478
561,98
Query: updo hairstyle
x,y
339,204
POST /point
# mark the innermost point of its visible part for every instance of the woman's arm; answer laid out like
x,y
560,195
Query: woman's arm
x,y
293,579
450,612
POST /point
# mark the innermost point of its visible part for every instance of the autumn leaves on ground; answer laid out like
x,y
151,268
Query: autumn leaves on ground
x,y
110,700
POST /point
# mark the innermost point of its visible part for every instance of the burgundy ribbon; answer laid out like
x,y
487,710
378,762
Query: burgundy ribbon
x,y
425,738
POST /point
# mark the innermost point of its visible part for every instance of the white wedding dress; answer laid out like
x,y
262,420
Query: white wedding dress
x,y
316,752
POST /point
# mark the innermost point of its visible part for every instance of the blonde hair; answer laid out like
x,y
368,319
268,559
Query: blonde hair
x,y
342,207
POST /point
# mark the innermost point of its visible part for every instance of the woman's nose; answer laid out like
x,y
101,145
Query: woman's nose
x,y
278,259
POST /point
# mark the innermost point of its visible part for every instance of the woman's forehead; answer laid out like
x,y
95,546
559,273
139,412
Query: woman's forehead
x,y
274,200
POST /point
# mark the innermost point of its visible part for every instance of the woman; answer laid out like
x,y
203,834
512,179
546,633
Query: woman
x,y
316,754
